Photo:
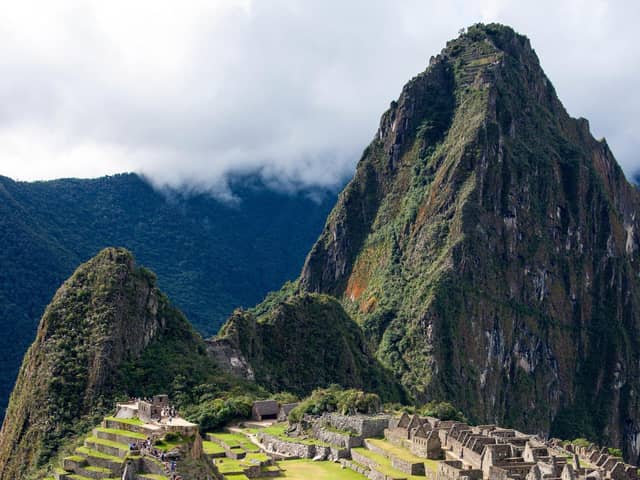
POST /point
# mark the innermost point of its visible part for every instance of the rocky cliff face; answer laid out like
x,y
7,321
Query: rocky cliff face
x,y
103,318
488,248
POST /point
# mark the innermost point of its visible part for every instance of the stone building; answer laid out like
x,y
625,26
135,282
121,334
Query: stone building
x,y
265,410
420,435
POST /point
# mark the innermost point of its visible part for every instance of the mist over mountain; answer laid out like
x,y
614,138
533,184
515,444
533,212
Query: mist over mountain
x,y
191,95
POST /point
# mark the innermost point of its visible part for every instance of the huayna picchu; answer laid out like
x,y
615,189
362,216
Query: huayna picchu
x,y
487,247
479,274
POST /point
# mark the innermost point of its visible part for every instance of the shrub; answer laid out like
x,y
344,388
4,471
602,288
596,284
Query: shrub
x,y
212,414
443,411
172,437
616,452
581,442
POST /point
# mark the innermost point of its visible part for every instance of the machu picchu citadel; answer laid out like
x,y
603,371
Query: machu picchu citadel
x,y
148,440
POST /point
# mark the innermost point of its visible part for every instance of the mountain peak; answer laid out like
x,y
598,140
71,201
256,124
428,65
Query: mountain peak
x,y
483,223
103,318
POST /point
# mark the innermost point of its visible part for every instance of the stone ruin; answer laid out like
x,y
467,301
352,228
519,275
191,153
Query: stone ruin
x,y
158,413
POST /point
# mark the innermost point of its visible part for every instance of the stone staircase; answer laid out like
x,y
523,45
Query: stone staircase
x,y
476,63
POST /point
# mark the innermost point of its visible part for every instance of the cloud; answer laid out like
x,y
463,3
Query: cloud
x,y
190,92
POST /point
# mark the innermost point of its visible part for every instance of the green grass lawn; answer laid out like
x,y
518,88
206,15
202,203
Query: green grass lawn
x,y
152,476
236,440
109,443
403,453
310,470
123,433
384,465
211,447
168,445
94,453
128,421
279,430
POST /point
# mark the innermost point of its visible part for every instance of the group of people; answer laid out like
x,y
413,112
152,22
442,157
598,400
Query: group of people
x,y
143,445
170,469
146,447
169,412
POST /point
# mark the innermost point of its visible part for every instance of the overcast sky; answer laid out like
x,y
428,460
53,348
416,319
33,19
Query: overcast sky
x,y
189,91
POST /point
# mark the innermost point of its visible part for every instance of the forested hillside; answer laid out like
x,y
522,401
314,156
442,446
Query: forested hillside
x,y
210,256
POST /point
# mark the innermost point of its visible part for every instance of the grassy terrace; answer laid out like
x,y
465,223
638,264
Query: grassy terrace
x,y
384,464
75,458
128,421
108,443
308,469
235,440
229,465
167,445
97,469
210,447
279,430
236,476
402,453
123,433
87,452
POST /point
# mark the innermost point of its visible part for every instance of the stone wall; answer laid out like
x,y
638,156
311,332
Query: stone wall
x,y
340,439
406,466
354,466
453,470
363,460
362,425
151,465
291,449
301,450
411,468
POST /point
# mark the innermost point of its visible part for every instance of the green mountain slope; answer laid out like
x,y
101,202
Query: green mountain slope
x,y
104,323
296,343
211,257
487,246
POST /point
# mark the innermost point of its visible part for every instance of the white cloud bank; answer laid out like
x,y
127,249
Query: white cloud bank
x,y
187,92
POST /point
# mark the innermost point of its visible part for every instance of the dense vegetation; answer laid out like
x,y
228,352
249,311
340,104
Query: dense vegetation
x,y
336,399
211,257
298,342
